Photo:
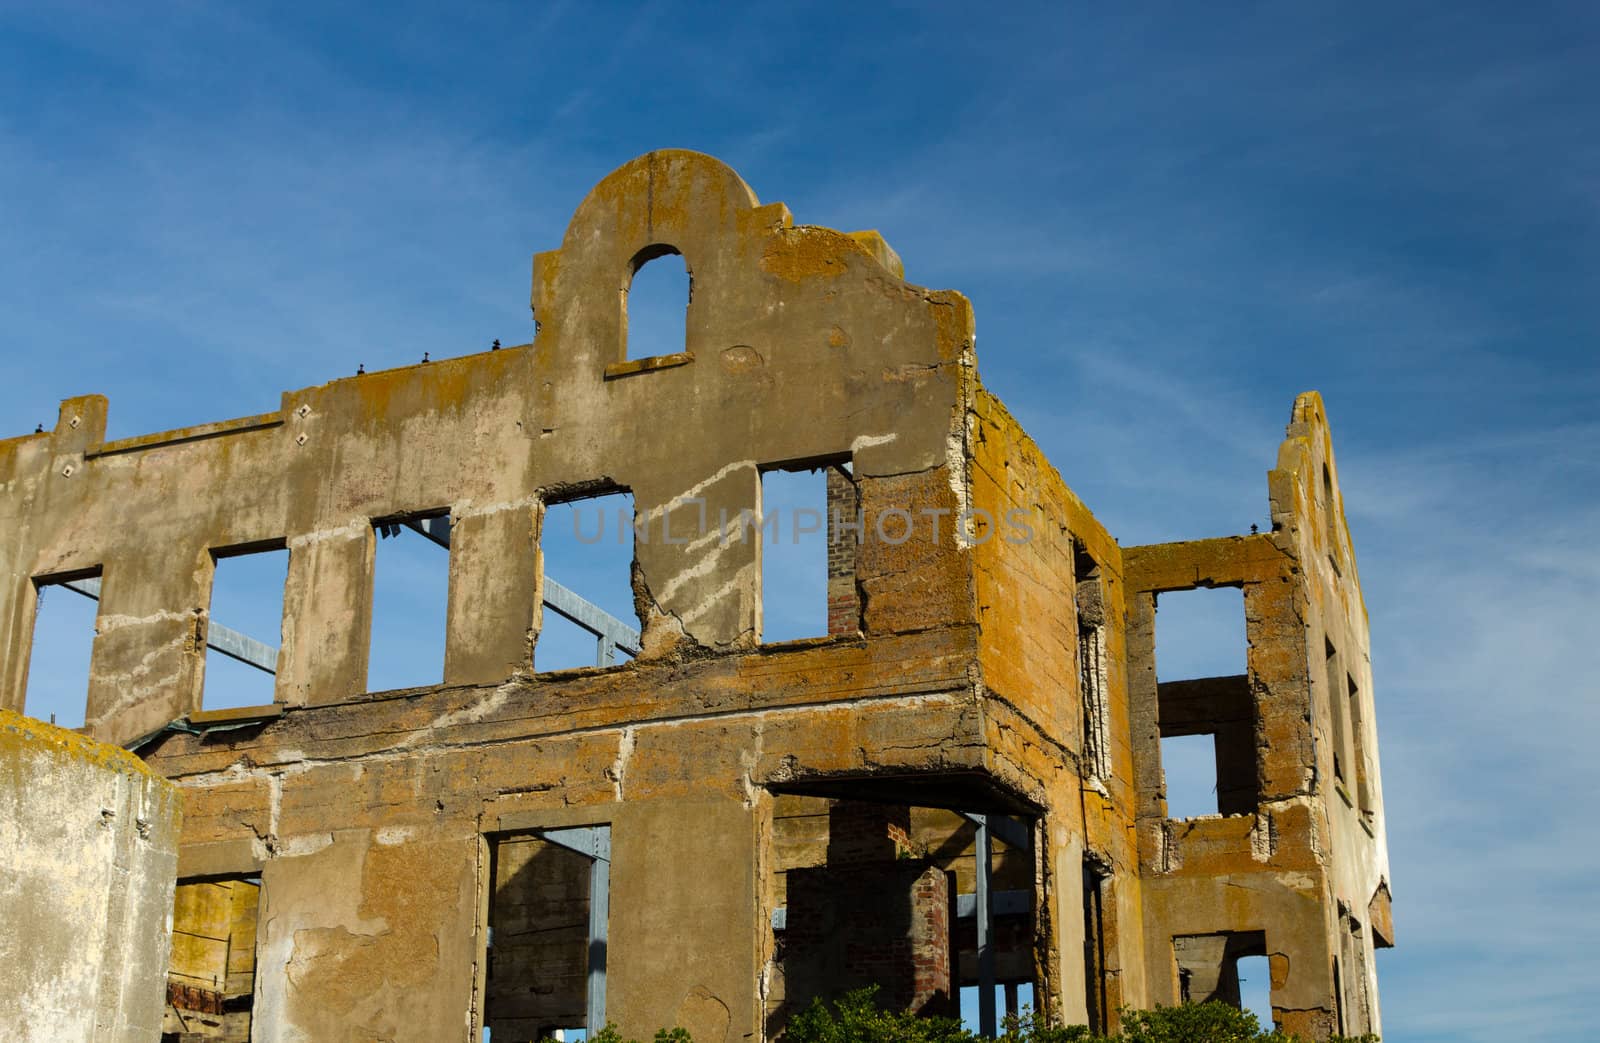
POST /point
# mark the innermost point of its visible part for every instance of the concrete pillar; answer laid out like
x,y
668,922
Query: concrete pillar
x,y
327,616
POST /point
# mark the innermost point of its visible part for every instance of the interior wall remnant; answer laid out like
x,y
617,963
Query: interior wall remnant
x,y
86,883
1089,598
1354,991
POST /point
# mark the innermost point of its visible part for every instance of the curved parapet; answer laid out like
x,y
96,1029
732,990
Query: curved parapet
x,y
804,347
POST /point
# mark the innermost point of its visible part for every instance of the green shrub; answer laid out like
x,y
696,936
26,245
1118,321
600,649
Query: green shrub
x,y
609,1034
855,1018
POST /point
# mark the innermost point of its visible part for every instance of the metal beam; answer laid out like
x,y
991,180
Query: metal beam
x,y
436,528
984,857
242,647
594,843
224,639
611,633
1008,831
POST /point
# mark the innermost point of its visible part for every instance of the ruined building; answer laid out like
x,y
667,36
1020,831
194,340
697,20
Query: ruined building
x,y
959,783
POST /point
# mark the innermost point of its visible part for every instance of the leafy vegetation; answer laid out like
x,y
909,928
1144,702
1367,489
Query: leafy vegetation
x,y
856,1018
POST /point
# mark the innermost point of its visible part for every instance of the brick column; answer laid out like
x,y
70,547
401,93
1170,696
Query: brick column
x,y
844,603
871,916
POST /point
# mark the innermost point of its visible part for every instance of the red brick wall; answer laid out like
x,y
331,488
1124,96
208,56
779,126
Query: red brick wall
x,y
844,603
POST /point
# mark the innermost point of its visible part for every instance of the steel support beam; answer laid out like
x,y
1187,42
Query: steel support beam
x,y
594,843
983,861
610,632
1008,831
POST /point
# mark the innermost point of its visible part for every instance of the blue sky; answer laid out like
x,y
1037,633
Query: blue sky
x,y
1170,220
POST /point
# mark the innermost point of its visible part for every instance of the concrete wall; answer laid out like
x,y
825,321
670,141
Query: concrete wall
x,y
989,649
1301,858
90,843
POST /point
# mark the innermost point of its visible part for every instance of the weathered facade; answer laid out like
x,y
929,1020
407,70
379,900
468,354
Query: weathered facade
x,y
960,781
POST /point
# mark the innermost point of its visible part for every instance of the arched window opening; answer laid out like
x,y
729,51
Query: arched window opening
x,y
655,307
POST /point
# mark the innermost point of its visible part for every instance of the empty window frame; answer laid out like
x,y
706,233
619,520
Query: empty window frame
x,y
1330,517
1189,771
1200,633
587,550
244,626
1255,987
548,921
65,612
410,600
1206,712
1208,965
1338,714
1358,753
211,971
1090,596
809,525
655,306
1010,997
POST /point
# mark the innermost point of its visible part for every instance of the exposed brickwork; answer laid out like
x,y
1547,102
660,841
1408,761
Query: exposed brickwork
x,y
862,833
886,925
844,602
871,916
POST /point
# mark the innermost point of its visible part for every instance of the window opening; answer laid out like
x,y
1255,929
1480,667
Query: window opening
x,y
244,628
1358,758
933,906
1338,710
64,626
587,548
548,919
655,311
1200,633
410,601
1189,768
1255,987
808,531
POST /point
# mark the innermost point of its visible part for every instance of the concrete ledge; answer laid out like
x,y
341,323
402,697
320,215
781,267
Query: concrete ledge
x,y
632,366
236,713
258,422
